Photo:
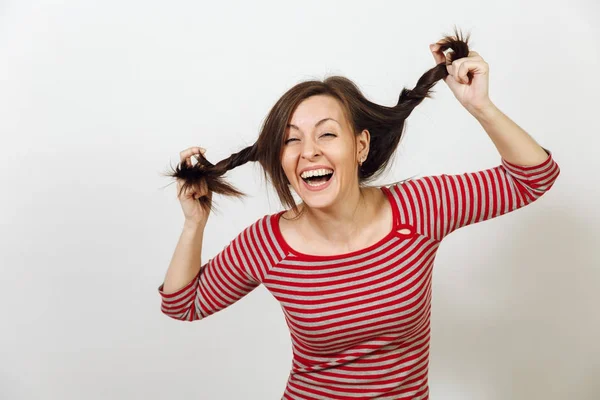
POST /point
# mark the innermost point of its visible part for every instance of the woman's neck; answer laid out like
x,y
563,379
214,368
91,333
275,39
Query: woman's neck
x,y
340,224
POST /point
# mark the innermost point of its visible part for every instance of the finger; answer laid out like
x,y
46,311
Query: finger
x,y
460,69
455,71
181,192
454,68
196,192
205,190
199,154
192,150
208,195
476,67
188,153
202,192
474,55
438,55
185,154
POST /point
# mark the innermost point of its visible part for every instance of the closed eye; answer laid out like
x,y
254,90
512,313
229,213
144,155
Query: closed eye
x,y
325,134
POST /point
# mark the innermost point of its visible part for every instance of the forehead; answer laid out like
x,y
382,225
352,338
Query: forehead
x,y
315,108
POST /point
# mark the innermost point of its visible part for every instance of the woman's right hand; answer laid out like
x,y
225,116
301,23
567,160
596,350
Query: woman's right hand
x,y
192,209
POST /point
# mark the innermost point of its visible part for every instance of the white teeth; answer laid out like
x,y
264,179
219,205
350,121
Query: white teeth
x,y
316,172
315,184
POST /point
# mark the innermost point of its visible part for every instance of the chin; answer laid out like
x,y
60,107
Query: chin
x,y
319,197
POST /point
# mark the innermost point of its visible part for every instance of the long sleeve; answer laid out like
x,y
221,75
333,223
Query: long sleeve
x,y
439,205
223,280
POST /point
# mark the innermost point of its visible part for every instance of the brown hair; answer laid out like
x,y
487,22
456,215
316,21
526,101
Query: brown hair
x,y
385,125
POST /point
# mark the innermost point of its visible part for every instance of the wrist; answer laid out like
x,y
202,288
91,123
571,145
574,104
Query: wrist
x,y
485,112
193,226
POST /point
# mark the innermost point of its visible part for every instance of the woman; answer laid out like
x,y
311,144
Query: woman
x,y
351,265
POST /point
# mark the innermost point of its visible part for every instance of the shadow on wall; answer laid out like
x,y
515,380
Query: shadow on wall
x,y
532,338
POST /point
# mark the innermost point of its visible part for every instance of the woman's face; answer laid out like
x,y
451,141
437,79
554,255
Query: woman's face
x,y
320,141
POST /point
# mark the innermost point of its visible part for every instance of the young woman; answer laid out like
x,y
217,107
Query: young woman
x,y
351,264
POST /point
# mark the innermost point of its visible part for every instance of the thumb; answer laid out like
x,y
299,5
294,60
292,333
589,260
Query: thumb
x,y
438,55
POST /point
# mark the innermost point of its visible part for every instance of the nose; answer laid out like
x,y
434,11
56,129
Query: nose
x,y
310,149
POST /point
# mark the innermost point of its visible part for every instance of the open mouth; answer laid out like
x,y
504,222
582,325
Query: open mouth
x,y
318,180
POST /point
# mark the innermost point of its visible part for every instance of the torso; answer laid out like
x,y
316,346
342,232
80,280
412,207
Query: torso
x,y
299,237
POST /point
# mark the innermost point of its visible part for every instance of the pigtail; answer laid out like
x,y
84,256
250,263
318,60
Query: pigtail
x,y
386,124
212,175
459,45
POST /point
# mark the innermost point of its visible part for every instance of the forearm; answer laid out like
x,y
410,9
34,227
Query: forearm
x,y
513,143
186,261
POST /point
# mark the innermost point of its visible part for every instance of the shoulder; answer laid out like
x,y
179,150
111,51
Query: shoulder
x,y
266,221
406,188
262,232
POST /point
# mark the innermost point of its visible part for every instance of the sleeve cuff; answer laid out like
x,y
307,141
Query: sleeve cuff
x,y
169,297
530,168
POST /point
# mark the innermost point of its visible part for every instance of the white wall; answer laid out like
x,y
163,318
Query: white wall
x,y
98,97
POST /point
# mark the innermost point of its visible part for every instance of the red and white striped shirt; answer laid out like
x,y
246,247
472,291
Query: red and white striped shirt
x,y
360,322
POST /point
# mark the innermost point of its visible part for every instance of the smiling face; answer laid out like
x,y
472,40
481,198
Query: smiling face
x,y
320,153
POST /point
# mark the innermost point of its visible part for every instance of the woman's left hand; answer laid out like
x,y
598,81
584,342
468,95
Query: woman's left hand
x,y
468,78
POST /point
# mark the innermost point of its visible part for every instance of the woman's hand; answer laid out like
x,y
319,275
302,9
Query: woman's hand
x,y
468,78
190,205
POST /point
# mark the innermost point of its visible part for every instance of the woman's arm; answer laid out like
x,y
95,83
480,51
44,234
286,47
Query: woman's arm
x,y
513,143
185,263
468,79
438,205
192,291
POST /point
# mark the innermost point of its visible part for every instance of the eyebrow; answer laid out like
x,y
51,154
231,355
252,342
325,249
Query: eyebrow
x,y
317,124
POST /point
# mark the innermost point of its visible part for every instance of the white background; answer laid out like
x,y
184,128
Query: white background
x,y
97,99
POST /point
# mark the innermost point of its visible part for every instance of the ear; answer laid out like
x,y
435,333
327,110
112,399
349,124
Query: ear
x,y
362,143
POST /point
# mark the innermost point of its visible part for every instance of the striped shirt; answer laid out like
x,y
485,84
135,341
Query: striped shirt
x,y
360,322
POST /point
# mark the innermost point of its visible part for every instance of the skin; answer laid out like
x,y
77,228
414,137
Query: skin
x,y
343,217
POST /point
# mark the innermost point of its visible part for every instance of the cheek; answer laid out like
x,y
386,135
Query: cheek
x,y
344,160
288,165
348,170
